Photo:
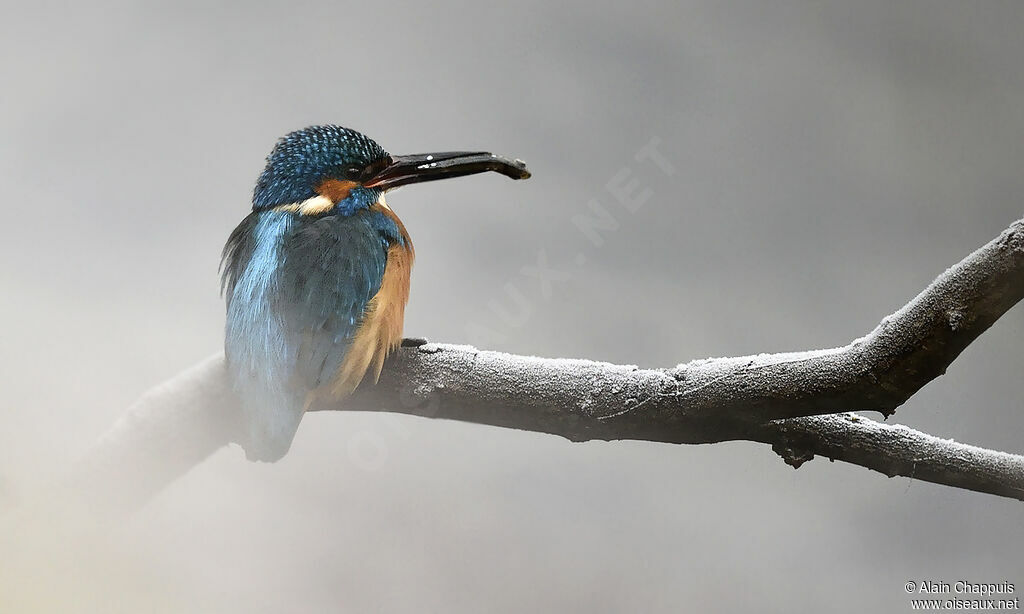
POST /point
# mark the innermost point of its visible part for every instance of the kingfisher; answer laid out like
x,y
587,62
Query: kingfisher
x,y
316,277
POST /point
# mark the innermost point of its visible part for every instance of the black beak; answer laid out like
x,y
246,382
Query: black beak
x,y
403,170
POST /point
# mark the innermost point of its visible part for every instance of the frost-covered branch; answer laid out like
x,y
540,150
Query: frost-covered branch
x,y
894,449
764,398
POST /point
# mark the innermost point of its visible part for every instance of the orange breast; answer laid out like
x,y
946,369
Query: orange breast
x,y
381,329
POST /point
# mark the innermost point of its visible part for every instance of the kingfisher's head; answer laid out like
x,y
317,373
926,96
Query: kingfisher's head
x,y
323,169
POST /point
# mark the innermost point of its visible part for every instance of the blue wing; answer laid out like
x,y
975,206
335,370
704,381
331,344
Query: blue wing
x,y
297,290
333,269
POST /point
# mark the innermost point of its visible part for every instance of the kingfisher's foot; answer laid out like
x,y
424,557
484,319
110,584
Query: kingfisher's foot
x,y
413,342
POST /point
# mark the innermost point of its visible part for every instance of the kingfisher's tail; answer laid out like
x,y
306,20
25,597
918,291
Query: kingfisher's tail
x,y
273,418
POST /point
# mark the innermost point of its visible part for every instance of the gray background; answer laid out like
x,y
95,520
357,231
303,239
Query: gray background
x,y
831,158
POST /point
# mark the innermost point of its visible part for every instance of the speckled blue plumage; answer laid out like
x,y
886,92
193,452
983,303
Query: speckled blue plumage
x,y
304,157
297,286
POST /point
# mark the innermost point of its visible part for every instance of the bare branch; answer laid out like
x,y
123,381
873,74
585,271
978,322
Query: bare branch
x,y
176,425
894,449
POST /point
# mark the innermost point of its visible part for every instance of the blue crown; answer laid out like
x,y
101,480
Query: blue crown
x,y
302,159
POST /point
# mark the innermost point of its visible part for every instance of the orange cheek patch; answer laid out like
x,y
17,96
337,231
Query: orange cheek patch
x,y
336,189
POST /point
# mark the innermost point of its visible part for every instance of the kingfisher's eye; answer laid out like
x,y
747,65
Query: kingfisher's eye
x,y
353,173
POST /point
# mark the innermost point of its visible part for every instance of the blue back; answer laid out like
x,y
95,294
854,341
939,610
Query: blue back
x,y
297,289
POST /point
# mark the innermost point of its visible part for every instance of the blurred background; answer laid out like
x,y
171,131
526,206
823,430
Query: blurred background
x,y
830,159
